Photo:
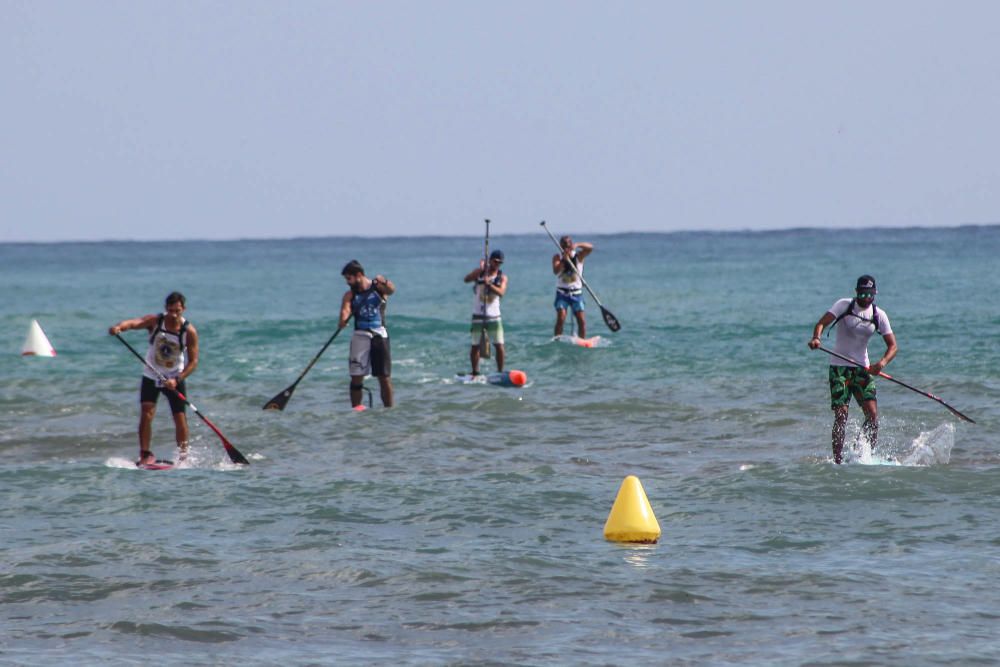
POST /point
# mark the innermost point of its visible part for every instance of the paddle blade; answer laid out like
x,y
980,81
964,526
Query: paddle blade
x,y
484,344
610,319
234,454
280,401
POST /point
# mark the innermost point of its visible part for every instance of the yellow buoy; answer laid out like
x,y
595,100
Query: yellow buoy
x,y
631,518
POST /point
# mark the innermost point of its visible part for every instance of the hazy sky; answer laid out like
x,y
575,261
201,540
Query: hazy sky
x,y
178,120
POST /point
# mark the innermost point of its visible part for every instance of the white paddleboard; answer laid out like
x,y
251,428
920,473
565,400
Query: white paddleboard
x,y
512,378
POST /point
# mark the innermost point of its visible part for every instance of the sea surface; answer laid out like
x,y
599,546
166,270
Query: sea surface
x,y
465,525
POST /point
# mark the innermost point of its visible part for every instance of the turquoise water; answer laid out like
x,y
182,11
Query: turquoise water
x,y
465,525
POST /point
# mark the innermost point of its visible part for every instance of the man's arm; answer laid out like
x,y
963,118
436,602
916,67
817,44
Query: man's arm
x,y
475,274
500,289
145,322
890,353
823,322
191,341
345,309
583,249
384,286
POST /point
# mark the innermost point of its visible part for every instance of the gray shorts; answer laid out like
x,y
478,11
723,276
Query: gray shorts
x,y
369,354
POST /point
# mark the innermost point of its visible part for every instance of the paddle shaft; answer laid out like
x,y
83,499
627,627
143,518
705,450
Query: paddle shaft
x,y
234,453
316,358
900,383
484,340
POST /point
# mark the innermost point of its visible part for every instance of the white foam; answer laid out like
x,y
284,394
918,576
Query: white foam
x,y
118,462
932,447
929,448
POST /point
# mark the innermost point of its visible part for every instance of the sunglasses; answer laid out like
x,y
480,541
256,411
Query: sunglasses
x,y
866,295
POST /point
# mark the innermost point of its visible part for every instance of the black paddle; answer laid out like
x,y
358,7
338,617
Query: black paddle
x,y
234,454
279,401
609,319
484,338
903,384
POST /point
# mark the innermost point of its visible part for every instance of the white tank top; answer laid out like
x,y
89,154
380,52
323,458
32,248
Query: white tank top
x,y
165,353
490,310
569,280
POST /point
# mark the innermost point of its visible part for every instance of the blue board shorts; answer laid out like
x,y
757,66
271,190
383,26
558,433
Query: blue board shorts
x,y
566,301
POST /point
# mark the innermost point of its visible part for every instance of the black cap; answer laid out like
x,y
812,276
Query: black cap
x,y
866,284
497,254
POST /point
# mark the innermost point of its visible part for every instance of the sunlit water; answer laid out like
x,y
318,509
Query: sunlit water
x,y
464,526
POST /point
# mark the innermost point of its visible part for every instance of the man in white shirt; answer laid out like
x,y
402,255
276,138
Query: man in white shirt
x,y
858,318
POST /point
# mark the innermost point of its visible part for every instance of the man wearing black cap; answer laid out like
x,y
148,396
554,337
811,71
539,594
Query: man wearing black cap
x,y
490,286
858,318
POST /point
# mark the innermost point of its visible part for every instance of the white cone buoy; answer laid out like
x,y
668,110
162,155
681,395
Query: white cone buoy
x,y
37,343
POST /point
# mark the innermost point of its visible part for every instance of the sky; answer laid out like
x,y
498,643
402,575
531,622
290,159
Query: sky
x,y
223,120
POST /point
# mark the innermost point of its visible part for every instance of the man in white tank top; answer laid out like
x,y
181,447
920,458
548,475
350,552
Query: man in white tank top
x,y
856,321
569,283
173,350
490,286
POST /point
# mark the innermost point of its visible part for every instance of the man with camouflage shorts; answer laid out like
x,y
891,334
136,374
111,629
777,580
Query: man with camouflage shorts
x,y
859,319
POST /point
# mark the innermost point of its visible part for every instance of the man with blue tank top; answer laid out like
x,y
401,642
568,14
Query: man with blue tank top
x,y
369,354
490,286
173,351
568,269
856,320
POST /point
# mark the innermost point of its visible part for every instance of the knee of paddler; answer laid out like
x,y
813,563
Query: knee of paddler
x,y
357,387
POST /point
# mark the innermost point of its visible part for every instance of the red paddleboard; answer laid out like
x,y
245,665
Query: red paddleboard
x,y
593,341
158,464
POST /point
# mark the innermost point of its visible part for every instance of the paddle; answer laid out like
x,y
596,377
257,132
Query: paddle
x,y
609,319
901,383
279,401
234,454
484,338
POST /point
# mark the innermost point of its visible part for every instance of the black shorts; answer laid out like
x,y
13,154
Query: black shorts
x,y
149,392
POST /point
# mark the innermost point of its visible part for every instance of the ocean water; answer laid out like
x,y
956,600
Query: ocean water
x,y
464,526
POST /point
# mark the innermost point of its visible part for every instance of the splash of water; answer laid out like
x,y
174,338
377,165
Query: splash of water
x,y
932,447
929,448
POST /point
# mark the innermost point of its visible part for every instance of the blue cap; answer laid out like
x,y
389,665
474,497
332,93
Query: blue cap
x,y
497,254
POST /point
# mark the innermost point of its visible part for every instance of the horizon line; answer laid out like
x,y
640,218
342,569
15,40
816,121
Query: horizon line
x,y
232,239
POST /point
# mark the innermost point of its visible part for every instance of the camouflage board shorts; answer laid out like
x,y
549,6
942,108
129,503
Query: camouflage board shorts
x,y
847,381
